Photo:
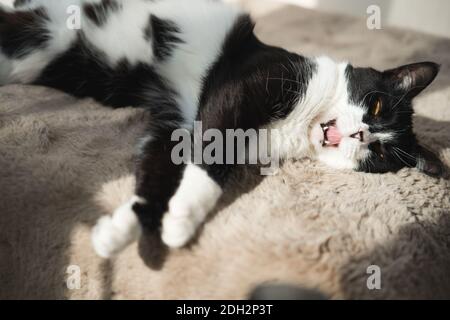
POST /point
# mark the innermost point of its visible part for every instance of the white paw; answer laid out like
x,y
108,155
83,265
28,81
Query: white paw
x,y
177,231
195,198
112,234
106,239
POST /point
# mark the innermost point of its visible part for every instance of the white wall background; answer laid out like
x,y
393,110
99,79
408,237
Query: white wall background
x,y
432,16
7,2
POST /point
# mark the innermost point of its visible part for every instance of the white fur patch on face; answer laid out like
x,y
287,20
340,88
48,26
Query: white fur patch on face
x,y
348,118
383,137
350,150
112,234
326,99
196,196
291,137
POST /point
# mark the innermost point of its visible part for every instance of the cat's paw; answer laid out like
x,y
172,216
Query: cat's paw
x,y
178,230
106,239
112,234
195,198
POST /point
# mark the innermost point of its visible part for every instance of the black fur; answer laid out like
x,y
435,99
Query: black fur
x,y
20,3
82,71
369,85
22,32
164,35
157,179
100,12
249,86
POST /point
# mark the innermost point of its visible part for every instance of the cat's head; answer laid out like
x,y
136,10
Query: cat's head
x,y
369,127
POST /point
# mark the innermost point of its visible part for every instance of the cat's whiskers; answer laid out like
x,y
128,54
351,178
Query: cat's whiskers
x,y
400,158
284,79
405,153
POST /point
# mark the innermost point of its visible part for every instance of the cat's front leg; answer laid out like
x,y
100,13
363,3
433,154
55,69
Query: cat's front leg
x,y
157,179
196,196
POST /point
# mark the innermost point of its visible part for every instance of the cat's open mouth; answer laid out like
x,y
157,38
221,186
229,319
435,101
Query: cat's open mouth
x,y
331,135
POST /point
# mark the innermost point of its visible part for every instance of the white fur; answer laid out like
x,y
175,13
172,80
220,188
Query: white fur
x,y
122,36
384,136
204,25
114,233
326,88
349,120
195,198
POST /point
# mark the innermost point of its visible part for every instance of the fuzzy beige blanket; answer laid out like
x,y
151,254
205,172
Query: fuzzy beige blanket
x,y
64,163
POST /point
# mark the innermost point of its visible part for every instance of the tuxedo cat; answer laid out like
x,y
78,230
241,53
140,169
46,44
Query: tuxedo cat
x,y
200,60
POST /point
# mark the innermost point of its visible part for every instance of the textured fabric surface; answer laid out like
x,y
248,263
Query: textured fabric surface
x,y
64,163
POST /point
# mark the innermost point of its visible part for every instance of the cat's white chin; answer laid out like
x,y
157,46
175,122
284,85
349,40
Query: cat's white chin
x,y
343,154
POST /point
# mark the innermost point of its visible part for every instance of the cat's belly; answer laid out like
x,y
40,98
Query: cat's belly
x,y
203,27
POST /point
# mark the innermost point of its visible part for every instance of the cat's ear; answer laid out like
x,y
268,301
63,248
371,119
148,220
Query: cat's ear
x,y
412,78
428,162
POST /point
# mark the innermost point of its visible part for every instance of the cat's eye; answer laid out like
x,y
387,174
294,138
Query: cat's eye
x,y
377,107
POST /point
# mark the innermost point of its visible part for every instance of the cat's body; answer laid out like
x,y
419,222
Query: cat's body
x,y
200,60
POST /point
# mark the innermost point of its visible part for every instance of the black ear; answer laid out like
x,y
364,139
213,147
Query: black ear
x,y
429,163
412,78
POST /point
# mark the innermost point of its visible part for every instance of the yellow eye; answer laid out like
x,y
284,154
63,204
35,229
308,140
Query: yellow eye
x,y
377,107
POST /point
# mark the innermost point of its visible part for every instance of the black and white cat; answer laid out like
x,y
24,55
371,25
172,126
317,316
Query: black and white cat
x,y
200,60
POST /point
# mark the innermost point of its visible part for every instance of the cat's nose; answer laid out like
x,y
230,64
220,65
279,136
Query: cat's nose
x,y
358,135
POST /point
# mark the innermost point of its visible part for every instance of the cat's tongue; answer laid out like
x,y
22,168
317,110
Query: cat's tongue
x,y
334,137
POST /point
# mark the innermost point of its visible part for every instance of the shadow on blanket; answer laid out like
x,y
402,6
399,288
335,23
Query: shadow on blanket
x,y
418,275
